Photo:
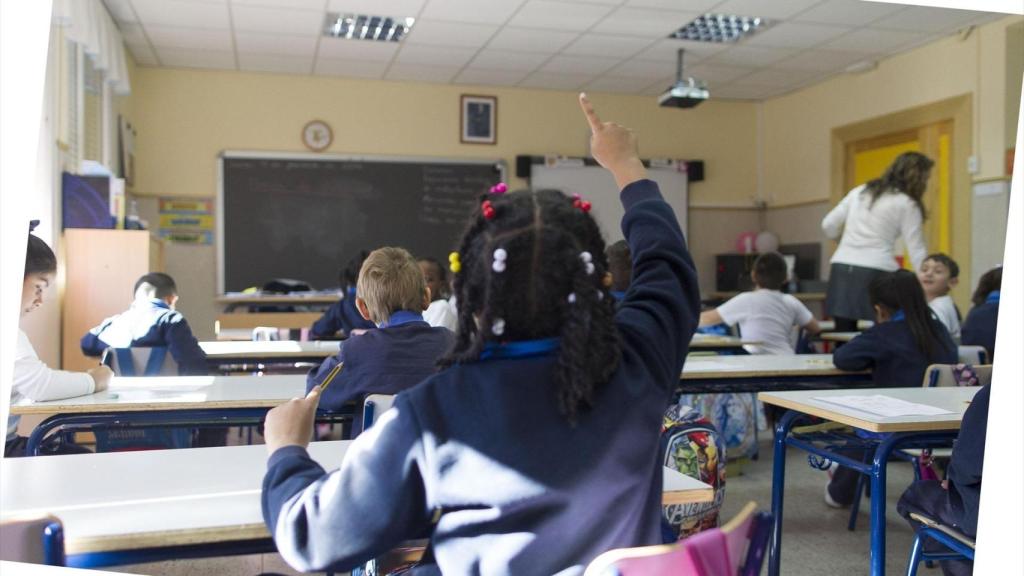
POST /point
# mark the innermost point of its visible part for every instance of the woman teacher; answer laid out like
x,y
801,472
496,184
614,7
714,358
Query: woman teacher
x,y
870,219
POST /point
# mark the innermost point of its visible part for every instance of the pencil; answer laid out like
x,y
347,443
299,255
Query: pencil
x,y
330,376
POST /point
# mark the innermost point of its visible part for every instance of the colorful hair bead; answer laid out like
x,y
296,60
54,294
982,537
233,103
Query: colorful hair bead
x,y
500,255
588,262
498,326
487,209
579,202
572,298
454,264
499,188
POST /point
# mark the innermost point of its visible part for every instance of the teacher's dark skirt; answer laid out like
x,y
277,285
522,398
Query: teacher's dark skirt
x,y
847,295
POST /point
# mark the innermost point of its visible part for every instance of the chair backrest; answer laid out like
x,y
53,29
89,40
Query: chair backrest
x,y
972,354
736,548
35,540
947,374
156,361
374,405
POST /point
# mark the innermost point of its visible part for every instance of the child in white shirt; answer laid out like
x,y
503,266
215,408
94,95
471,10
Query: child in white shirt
x,y
938,275
440,312
765,314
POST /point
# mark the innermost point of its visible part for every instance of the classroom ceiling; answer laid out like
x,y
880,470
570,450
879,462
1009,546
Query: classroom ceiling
x,y
597,45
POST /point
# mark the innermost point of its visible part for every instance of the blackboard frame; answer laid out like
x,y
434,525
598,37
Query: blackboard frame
x,y
498,163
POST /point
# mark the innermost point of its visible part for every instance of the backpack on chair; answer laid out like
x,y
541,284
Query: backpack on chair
x,y
691,445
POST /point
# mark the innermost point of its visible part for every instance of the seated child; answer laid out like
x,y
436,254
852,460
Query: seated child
x,y
979,328
343,315
402,352
440,312
898,349
620,266
150,322
34,380
938,275
765,314
536,449
954,502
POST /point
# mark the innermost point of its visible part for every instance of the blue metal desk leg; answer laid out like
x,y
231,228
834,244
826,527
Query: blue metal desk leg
x,y
878,476
778,480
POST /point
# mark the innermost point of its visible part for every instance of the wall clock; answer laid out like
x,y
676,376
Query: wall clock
x,y
317,135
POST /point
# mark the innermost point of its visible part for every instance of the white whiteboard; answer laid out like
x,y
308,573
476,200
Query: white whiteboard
x,y
596,185
990,206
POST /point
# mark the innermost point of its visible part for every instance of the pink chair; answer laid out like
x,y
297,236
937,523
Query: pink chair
x,y
736,549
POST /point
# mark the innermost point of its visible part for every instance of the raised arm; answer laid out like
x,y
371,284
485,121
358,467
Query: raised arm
x,y
832,223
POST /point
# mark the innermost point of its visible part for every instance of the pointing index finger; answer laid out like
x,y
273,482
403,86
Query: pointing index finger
x,y
588,111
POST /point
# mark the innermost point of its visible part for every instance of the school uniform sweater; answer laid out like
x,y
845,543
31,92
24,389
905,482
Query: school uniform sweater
x,y
342,315
398,355
979,329
483,447
888,349
148,324
965,465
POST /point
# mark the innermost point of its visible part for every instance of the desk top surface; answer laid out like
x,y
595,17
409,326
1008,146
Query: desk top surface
x,y
310,298
717,341
830,325
839,336
760,365
133,500
954,399
226,349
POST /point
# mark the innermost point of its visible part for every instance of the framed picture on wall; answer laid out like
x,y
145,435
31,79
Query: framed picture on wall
x,y
479,119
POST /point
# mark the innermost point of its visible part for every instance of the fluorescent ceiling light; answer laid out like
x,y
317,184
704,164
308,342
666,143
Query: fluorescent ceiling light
x,y
720,28
366,27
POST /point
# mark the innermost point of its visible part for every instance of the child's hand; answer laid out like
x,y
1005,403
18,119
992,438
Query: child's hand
x,y
101,375
291,423
613,146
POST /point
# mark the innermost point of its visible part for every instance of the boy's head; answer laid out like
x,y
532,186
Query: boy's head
x,y
389,281
157,286
938,274
434,276
349,275
620,265
989,282
769,271
40,267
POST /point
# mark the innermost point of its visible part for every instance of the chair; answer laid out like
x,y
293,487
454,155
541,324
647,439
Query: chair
x,y
35,540
155,361
736,548
972,355
374,405
960,546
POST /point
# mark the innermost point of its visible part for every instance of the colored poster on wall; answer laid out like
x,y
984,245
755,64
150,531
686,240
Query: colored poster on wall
x,y
187,220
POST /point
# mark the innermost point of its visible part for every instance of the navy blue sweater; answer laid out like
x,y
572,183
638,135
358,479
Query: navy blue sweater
x,y
149,324
341,316
888,349
980,327
382,361
965,466
483,446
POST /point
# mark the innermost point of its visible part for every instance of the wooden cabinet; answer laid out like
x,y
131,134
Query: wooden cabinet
x,y
101,268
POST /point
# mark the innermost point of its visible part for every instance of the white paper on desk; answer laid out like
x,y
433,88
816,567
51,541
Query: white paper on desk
x,y
156,396
699,365
882,405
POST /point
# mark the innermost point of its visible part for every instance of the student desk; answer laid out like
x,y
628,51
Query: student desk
x,y
830,325
904,431
215,401
313,300
221,355
838,336
133,507
307,309
716,343
757,373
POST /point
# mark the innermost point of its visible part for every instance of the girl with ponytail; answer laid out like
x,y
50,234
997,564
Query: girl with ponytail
x,y
535,448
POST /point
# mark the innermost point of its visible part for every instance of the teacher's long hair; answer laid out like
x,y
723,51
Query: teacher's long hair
x,y
908,174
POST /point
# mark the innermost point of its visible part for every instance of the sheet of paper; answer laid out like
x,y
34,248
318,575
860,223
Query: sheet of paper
x,y
885,406
704,365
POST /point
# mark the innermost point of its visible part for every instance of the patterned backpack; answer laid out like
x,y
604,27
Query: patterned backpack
x,y
691,444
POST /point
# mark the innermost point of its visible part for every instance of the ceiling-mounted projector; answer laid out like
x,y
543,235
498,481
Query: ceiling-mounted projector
x,y
685,93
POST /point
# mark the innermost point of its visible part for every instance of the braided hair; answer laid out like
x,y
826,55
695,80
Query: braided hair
x,y
549,284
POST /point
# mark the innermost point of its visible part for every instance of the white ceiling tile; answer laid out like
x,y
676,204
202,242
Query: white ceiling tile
x,y
642,22
182,14
120,10
666,50
776,9
196,58
718,72
132,33
605,45
796,35
847,12
351,68
531,40
616,84
688,5
749,56
419,73
277,20
507,60
559,15
604,2
143,54
281,44
442,33
192,38
402,8
776,77
579,64
313,5
275,63
872,40
927,19
659,86
554,81
491,77
821,60
441,56
343,49
642,69
479,11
